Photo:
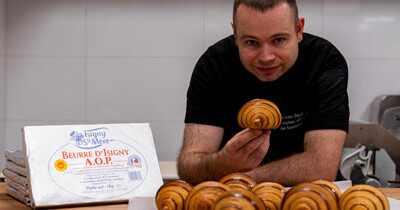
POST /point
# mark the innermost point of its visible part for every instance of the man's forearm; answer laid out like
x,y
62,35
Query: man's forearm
x,y
320,160
196,167
295,169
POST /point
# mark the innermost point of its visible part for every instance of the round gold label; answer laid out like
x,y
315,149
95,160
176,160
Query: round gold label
x,y
60,165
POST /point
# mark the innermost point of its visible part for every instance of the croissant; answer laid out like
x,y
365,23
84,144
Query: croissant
x,y
363,197
309,196
330,186
172,195
239,198
238,180
271,194
259,114
204,195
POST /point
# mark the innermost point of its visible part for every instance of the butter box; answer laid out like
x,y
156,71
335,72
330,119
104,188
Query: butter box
x,y
80,164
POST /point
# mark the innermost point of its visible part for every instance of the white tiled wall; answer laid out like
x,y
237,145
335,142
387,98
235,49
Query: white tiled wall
x,y
46,28
217,20
157,28
101,61
367,32
138,89
45,88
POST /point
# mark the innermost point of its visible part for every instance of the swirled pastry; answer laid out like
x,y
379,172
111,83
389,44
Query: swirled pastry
x,y
172,195
239,198
238,180
363,197
332,187
204,195
309,196
259,114
271,194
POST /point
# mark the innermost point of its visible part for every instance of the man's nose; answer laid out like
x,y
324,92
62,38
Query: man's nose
x,y
266,54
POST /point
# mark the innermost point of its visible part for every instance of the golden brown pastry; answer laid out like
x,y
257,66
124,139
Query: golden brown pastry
x,y
259,114
309,196
363,197
204,195
238,180
172,195
239,198
332,187
271,194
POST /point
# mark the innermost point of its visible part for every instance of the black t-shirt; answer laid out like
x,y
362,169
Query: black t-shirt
x,y
311,95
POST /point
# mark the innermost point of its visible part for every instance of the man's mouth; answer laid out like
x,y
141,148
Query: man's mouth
x,y
268,70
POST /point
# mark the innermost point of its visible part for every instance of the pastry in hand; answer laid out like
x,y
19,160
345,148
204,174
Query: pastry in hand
x,y
259,114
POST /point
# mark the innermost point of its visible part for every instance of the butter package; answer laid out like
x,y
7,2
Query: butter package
x,y
76,164
16,157
16,168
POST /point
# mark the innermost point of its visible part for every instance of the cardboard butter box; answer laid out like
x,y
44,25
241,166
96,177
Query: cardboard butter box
x,y
80,164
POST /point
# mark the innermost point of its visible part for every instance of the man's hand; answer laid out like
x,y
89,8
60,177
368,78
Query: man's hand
x,y
200,158
246,149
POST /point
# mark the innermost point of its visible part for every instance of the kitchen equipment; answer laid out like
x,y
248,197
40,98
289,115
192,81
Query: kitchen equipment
x,y
371,156
385,110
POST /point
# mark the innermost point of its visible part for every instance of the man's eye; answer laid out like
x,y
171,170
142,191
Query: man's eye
x,y
279,40
251,43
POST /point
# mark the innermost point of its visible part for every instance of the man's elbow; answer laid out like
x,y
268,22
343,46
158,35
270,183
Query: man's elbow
x,y
330,177
184,173
327,173
180,170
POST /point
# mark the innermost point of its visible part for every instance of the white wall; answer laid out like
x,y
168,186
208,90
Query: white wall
x,y
102,61
2,82
367,32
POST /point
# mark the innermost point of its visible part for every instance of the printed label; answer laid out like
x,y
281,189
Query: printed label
x,y
94,166
293,121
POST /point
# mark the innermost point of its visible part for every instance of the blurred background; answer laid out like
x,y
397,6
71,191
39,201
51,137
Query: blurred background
x,y
130,61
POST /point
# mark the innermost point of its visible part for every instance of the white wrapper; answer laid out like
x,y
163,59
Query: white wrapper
x,y
90,163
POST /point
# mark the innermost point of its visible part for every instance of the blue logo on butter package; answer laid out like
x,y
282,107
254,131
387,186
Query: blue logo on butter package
x,y
134,161
89,139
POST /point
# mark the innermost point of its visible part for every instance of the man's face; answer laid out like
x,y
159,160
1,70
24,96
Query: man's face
x,y
267,41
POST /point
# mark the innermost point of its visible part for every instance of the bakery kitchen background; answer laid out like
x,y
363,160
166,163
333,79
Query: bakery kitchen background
x,y
86,62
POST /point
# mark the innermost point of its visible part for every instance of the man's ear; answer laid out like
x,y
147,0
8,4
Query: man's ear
x,y
234,31
300,29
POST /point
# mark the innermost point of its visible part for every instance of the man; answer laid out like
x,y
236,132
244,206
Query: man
x,y
268,57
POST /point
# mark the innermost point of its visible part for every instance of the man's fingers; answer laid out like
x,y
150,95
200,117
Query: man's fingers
x,y
254,152
262,150
242,138
258,143
246,150
267,132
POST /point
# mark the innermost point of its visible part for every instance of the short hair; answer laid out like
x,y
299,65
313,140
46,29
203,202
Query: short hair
x,y
264,5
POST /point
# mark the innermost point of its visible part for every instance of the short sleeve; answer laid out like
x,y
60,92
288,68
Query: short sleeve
x,y
330,103
204,94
